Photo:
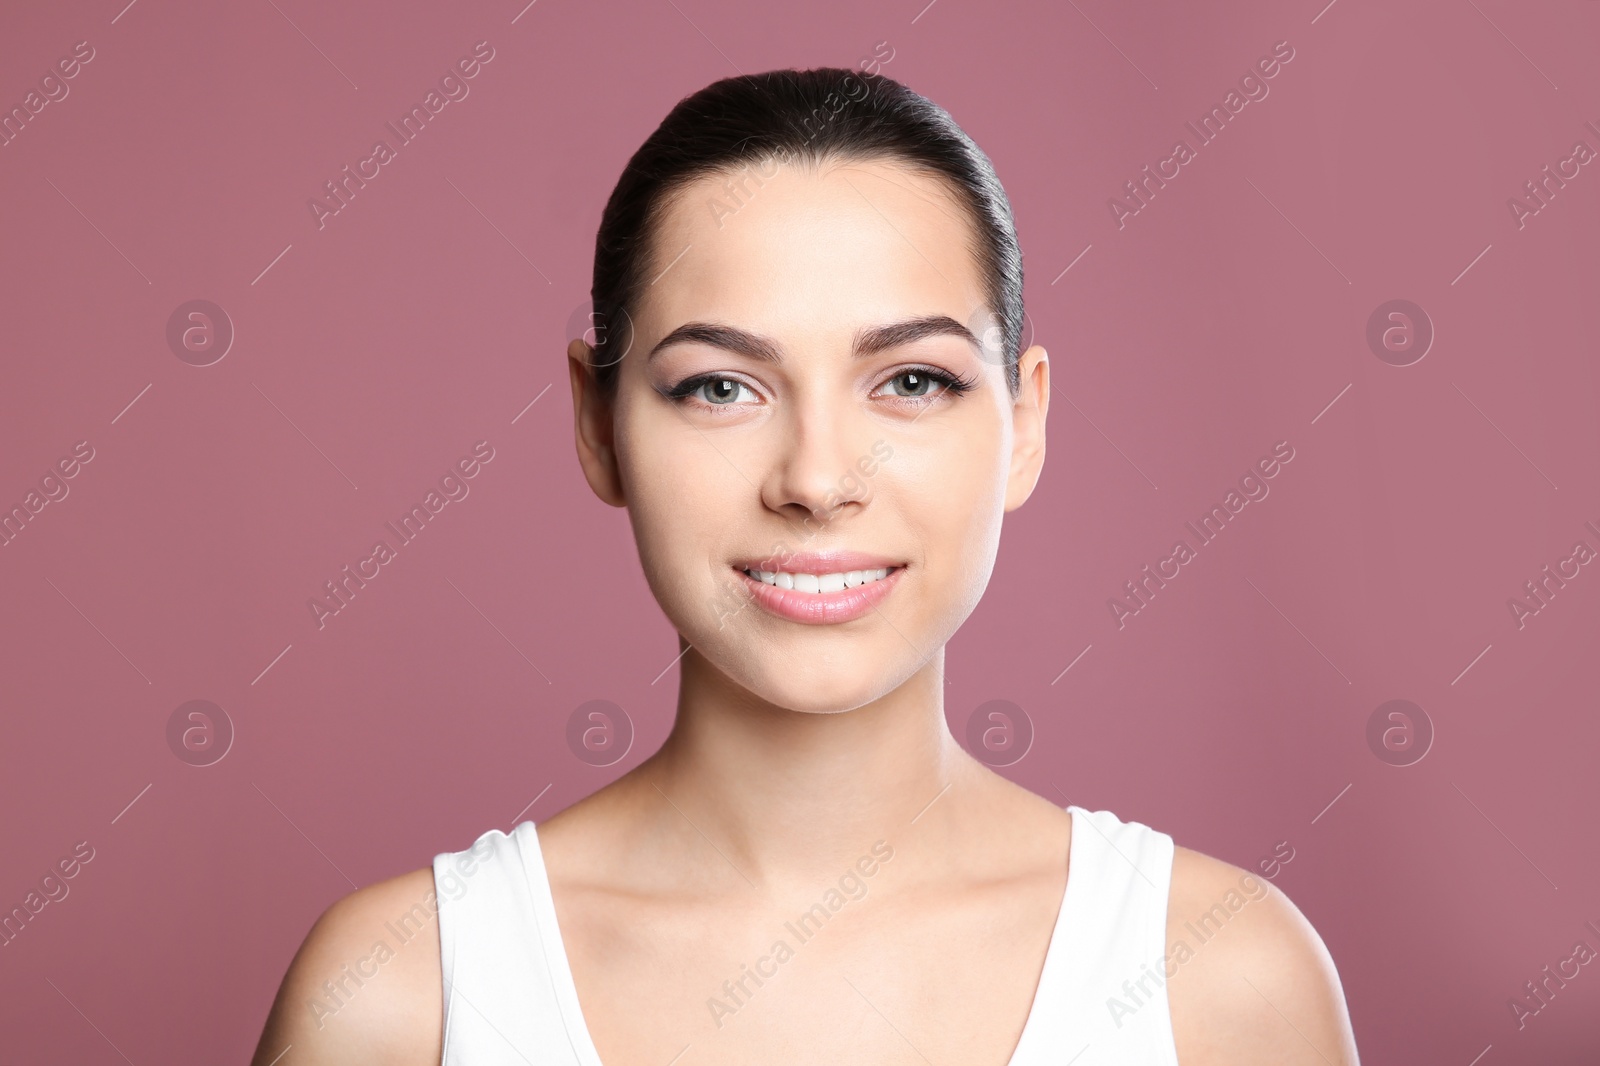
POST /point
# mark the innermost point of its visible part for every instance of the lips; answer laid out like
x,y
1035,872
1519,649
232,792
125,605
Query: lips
x,y
822,608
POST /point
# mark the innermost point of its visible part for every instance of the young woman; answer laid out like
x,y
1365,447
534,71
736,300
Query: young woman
x,y
808,394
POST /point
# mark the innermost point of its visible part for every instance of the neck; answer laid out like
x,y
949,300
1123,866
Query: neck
x,y
788,795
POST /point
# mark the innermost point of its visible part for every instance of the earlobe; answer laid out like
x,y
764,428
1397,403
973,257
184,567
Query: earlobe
x,y
593,428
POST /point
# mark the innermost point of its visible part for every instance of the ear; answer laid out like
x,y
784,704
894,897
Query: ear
x,y
593,426
1027,419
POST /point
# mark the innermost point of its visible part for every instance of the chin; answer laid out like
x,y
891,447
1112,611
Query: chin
x,y
828,684
842,696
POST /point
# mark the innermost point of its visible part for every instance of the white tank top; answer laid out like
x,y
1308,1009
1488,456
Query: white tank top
x,y
509,997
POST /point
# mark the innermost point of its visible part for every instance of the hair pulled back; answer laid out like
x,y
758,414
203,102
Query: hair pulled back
x,y
799,117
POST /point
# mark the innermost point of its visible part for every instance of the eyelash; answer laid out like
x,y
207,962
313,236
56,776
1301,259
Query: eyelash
x,y
952,385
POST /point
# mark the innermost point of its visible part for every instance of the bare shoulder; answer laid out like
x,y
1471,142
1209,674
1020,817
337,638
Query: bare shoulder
x,y
1249,979
365,986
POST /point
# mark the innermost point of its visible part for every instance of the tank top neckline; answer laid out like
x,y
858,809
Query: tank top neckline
x,y
559,966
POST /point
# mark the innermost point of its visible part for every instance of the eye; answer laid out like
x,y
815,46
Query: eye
x,y
920,382
712,390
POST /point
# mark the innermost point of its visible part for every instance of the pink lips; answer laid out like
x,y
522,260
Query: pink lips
x,y
822,608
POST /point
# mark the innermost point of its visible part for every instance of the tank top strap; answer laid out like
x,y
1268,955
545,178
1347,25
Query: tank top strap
x,y
505,1001
1103,993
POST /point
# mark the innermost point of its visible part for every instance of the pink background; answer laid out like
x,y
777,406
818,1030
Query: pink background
x,y
372,353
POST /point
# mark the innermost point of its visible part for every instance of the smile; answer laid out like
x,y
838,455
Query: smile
x,y
820,599
819,583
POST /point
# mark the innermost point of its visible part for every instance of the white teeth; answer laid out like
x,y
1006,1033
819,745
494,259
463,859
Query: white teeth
x,y
820,582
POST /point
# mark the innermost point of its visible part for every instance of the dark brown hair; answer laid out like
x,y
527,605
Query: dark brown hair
x,y
800,116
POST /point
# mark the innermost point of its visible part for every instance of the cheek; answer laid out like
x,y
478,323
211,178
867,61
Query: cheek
x,y
975,544
679,493
951,492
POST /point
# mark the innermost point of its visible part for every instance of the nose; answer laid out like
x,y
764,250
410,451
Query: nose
x,y
814,474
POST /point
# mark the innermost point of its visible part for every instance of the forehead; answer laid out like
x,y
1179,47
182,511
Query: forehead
x,y
811,249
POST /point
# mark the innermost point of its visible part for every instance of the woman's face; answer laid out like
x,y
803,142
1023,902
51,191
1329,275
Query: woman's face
x,y
803,428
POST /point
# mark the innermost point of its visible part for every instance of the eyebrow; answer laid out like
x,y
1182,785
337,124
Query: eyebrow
x,y
869,340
